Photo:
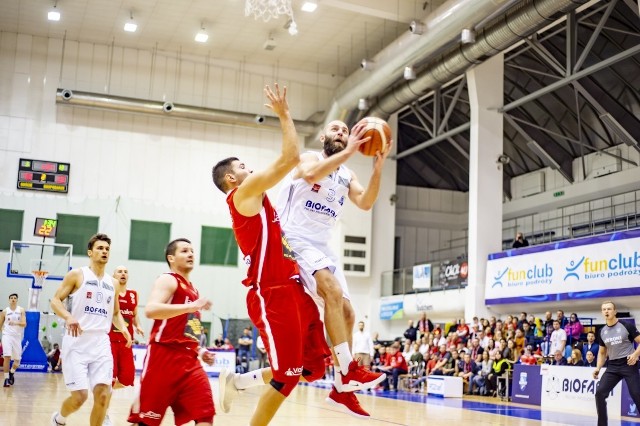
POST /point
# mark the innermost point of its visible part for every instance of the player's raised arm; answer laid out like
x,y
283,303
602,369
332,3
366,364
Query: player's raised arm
x,y
258,182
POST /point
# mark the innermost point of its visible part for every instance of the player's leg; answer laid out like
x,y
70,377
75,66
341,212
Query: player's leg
x,y
193,400
75,375
7,353
5,369
349,316
631,377
608,381
70,406
101,398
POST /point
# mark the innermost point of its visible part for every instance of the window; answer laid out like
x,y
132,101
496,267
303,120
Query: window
x,y
355,253
148,240
76,230
218,246
11,228
354,239
355,268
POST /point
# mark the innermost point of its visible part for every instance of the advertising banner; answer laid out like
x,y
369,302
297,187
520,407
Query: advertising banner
x,y
602,266
452,274
526,386
628,407
572,389
391,307
422,276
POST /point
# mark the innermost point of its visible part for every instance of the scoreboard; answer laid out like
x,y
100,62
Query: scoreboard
x,y
40,175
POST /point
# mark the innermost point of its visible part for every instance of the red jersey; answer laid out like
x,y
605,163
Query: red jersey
x,y
263,244
128,303
183,330
396,361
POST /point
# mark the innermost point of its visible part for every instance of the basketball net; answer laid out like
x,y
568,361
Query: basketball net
x,y
268,9
38,278
39,272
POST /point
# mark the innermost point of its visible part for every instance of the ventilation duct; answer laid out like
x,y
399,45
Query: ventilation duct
x,y
440,29
169,109
503,31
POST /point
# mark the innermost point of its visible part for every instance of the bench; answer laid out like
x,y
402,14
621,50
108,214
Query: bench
x,y
445,386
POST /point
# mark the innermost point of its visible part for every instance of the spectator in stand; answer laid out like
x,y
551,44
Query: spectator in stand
x,y
500,366
522,319
466,368
380,358
263,357
244,349
415,356
492,349
487,336
492,324
425,326
53,357
590,360
573,329
475,349
558,358
227,345
520,241
444,360
560,317
558,338
362,346
411,333
519,341
462,331
218,342
528,333
590,345
437,332
527,357
548,330
425,344
576,358
479,380
395,365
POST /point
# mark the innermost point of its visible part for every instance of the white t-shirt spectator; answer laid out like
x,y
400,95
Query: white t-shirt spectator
x,y
558,341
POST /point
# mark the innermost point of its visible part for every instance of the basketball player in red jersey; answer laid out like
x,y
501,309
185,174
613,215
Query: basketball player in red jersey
x,y
123,366
287,317
172,375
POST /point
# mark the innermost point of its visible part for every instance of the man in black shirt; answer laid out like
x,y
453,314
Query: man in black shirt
x,y
616,343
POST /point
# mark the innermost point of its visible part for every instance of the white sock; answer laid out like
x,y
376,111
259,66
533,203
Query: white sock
x,y
344,356
60,419
249,380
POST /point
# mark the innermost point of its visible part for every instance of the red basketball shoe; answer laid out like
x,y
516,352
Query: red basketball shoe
x,y
357,378
347,402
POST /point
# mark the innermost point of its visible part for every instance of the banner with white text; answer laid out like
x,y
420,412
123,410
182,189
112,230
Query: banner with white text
x,y
601,266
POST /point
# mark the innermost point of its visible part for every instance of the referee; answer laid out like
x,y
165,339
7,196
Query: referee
x,y
616,342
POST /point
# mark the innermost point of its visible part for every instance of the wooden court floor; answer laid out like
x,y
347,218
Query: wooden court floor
x,y
35,396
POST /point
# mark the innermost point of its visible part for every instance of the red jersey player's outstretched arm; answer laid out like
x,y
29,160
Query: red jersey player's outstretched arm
x,y
248,197
159,307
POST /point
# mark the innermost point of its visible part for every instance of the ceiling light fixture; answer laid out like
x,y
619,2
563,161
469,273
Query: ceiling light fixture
x,y
53,14
202,35
409,73
130,26
309,6
363,104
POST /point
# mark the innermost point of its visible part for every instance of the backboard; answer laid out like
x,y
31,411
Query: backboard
x,y
27,256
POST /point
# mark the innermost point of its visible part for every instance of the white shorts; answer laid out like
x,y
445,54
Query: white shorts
x,y
312,257
86,360
12,346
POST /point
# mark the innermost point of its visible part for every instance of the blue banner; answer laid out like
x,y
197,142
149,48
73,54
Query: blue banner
x,y
526,386
391,307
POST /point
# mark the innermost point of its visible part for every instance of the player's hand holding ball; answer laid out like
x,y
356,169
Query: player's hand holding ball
x,y
379,134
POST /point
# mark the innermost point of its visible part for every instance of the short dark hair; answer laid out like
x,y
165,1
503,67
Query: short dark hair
x,y
220,170
171,248
98,237
13,294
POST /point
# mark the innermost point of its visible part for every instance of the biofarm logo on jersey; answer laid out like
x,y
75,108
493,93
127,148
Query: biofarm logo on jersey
x,y
320,208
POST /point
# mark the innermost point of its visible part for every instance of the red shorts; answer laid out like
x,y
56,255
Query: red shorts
x,y
123,368
172,377
290,327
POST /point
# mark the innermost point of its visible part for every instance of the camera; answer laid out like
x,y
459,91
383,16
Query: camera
x,y
416,27
66,94
259,119
504,159
167,106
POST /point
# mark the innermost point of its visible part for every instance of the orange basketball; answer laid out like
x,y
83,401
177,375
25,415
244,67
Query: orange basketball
x,y
379,132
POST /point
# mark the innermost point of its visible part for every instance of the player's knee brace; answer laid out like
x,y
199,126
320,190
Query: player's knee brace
x,y
284,388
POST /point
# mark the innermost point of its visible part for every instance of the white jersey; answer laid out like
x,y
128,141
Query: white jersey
x,y
92,304
310,211
13,316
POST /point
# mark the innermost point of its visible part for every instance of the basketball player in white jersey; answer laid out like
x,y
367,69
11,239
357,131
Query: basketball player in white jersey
x,y
311,200
91,308
12,323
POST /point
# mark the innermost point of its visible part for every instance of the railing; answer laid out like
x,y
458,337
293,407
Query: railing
x,y
443,277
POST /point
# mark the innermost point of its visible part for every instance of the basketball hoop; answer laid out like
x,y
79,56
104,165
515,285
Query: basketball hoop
x,y
268,9
39,277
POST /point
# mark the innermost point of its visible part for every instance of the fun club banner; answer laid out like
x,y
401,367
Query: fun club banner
x,y
601,266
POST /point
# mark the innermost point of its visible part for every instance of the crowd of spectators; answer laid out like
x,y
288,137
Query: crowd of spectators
x,y
482,351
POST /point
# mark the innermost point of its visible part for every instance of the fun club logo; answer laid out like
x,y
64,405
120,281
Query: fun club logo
x,y
616,266
536,275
